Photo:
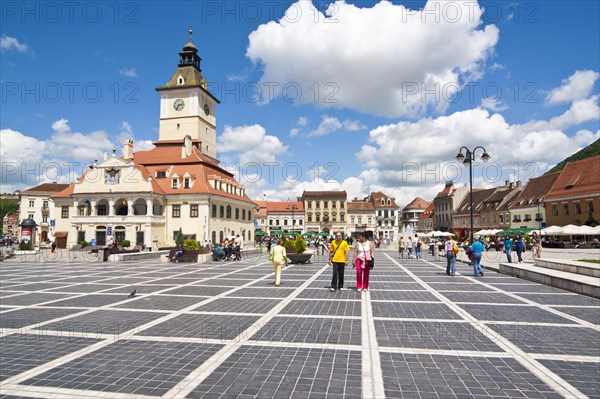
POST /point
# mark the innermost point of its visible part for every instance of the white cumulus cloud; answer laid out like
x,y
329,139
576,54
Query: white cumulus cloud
x,y
576,87
129,72
376,60
251,142
12,43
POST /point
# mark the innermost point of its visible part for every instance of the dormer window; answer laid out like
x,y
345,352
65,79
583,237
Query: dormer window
x,y
382,201
112,176
175,184
389,202
161,174
180,80
186,182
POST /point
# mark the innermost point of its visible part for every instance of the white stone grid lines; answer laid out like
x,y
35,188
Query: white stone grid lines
x,y
543,373
373,385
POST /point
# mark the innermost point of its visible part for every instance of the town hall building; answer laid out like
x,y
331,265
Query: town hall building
x,y
146,197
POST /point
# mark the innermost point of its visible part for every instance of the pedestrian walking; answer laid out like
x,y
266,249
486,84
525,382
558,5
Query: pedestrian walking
x,y
417,246
53,247
536,245
278,257
401,247
477,248
508,244
451,250
362,259
519,247
338,257
409,247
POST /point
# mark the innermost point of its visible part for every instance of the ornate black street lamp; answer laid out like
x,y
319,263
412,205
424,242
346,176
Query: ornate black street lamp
x,y
469,158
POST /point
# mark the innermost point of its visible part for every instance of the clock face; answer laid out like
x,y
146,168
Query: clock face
x,y
206,109
178,104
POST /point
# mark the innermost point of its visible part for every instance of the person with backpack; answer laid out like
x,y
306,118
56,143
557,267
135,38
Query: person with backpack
x,y
451,250
417,246
519,247
401,247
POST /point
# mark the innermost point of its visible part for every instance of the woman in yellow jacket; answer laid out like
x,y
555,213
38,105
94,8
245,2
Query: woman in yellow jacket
x,y
278,258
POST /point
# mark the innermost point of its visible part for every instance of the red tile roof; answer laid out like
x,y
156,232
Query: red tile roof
x,y
47,188
200,168
376,198
285,206
324,194
358,206
66,192
577,178
428,213
535,189
417,203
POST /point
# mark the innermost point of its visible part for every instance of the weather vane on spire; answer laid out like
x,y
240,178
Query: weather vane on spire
x,y
190,32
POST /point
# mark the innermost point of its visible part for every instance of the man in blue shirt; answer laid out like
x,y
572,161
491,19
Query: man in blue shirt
x,y
508,244
477,248
519,247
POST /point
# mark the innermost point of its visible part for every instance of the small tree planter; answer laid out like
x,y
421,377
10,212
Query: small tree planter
x,y
299,258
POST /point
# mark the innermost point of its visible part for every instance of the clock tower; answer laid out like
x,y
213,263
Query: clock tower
x,y
187,108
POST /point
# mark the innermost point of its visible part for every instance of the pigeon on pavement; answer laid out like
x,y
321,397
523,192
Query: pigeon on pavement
x,y
132,294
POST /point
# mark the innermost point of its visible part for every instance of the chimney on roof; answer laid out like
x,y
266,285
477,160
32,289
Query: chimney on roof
x,y
511,185
127,148
105,155
519,183
186,151
507,182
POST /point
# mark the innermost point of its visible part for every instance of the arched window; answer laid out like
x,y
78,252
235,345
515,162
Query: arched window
x,y
590,207
214,237
221,236
228,212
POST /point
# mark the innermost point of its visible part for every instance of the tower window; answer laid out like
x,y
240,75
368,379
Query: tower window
x,y
180,80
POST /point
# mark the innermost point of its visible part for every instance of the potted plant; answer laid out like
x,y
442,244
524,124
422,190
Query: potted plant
x,y
299,247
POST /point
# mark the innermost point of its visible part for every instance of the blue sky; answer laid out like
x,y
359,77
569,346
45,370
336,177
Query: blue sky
x,y
519,78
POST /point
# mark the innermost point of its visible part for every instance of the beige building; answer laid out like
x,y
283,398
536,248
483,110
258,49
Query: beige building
x,y
445,203
386,214
575,195
324,210
146,197
490,209
426,219
361,218
527,211
35,203
412,212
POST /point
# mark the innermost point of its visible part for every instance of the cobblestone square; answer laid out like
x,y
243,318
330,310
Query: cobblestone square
x,y
225,331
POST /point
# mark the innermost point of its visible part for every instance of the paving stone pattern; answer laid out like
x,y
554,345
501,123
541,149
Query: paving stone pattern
x,y
223,330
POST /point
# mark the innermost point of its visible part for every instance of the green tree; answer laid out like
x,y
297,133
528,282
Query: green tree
x,y
7,207
179,239
299,244
191,245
